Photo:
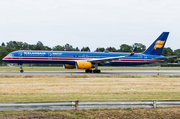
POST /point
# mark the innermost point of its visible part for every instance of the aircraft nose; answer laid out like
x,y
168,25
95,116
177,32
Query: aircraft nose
x,y
4,59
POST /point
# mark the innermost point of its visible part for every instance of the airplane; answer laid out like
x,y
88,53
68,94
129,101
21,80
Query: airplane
x,y
89,60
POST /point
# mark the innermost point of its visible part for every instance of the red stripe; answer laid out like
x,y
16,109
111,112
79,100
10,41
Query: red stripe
x,y
121,60
10,58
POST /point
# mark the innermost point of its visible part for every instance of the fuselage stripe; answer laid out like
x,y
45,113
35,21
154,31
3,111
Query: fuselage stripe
x,y
74,59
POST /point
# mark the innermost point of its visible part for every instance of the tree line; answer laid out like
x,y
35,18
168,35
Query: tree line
x,y
16,45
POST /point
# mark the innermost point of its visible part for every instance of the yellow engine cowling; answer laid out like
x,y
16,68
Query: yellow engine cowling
x,y
68,66
83,65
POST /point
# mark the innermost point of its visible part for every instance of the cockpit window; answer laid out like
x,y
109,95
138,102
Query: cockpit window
x,y
10,55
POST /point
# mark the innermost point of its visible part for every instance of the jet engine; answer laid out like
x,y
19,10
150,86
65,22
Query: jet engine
x,y
68,66
83,65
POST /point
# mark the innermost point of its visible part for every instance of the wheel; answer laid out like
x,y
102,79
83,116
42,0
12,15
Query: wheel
x,y
94,71
88,71
21,71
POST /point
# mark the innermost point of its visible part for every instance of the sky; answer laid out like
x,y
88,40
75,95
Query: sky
x,y
92,23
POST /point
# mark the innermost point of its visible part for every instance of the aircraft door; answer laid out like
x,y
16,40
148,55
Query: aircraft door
x,y
20,55
50,56
145,58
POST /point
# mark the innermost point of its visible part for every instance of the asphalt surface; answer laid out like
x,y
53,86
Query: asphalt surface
x,y
103,72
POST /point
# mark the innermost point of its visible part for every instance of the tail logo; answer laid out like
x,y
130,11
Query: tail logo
x,y
159,44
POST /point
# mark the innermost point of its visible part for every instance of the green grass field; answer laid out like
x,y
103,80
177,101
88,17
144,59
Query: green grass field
x,y
113,113
19,88
73,87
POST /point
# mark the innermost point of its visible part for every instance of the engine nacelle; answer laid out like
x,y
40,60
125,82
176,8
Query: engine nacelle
x,y
68,66
83,65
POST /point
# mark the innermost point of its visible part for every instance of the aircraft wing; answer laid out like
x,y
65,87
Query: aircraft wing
x,y
109,59
163,58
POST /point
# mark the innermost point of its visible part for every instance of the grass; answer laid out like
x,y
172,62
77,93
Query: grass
x,y
163,113
16,88
101,68
120,113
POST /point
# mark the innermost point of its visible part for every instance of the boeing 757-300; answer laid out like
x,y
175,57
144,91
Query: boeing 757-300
x,y
89,60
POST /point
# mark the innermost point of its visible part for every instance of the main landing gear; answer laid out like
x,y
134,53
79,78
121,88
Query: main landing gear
x,y
21,68
93,71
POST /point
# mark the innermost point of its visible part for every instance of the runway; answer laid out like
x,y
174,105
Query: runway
x,y
103,72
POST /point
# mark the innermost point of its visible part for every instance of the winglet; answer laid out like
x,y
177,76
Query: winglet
x,y
132,53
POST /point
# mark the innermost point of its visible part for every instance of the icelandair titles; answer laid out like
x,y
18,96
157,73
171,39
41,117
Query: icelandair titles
x,y
41,53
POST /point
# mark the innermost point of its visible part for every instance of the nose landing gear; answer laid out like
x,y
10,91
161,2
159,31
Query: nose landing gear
x,y
21,68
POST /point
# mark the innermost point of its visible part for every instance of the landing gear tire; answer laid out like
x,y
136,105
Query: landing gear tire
x,y
93,71
96,71
21,68
88,71
21,71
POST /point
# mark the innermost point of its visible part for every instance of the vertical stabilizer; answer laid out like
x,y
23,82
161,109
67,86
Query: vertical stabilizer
x,y
157,46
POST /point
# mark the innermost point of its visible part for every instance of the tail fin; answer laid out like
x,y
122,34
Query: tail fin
x,y
157,46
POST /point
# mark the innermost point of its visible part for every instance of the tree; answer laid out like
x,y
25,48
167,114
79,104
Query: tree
x,y
25,46
68,47
99,50
168,52
15,45
76,49
31,47
39,46
85,49
3,53
11,46
140,47
111,49
125,48
19,45
177,52
3,44
47,48
58,48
